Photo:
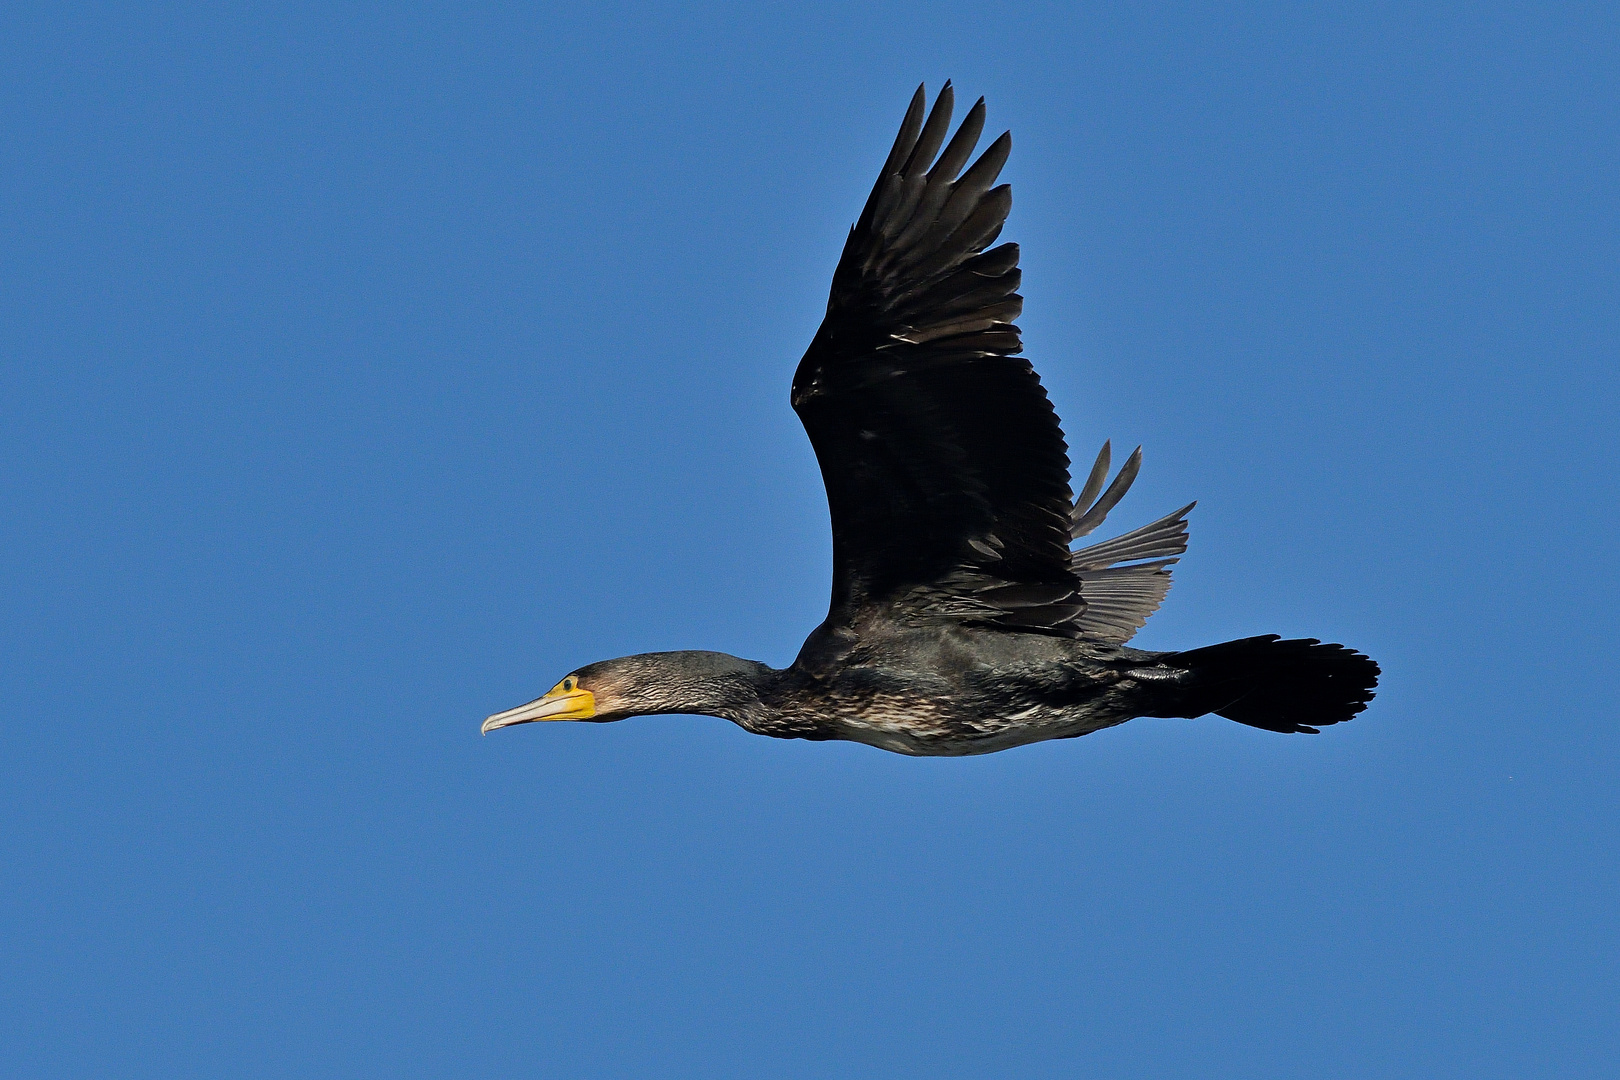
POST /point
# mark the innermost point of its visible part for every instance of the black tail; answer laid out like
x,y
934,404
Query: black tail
x,y
1278,685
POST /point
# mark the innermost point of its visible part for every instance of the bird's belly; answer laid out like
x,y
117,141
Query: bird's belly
x,y
922,728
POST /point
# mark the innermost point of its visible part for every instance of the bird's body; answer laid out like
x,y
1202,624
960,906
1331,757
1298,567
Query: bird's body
x,y
961,621
954,690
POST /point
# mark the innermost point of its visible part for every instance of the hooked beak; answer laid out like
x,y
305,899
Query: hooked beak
x,y
559,704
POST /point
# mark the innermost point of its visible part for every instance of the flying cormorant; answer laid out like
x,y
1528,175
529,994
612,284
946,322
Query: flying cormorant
x,y
961,622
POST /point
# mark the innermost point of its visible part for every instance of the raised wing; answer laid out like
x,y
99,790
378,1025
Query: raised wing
x,y
946,472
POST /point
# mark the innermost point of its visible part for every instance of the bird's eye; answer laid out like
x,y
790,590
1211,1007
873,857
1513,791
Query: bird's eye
x,y
570,683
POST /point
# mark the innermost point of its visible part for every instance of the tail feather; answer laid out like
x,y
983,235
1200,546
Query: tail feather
x,y
1296,685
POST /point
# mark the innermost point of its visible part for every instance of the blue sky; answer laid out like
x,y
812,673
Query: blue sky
x,y
364,371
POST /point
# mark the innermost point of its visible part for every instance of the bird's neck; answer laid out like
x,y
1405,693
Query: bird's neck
x,y
710,684
737,697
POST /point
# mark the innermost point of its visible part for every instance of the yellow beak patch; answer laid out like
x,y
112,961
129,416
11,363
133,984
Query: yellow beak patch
x,y
565,701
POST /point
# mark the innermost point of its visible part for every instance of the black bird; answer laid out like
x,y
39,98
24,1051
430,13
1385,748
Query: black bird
x,y
961,622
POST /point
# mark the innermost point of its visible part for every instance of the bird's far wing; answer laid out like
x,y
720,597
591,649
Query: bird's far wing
x,y
1124,579
946,472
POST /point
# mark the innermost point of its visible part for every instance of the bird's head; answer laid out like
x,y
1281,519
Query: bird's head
x,y
709,683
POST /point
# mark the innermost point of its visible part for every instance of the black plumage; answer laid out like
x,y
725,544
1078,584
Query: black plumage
x,y
961,621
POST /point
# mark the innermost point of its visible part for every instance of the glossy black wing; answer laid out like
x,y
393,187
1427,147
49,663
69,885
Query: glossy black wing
x,y
946,472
